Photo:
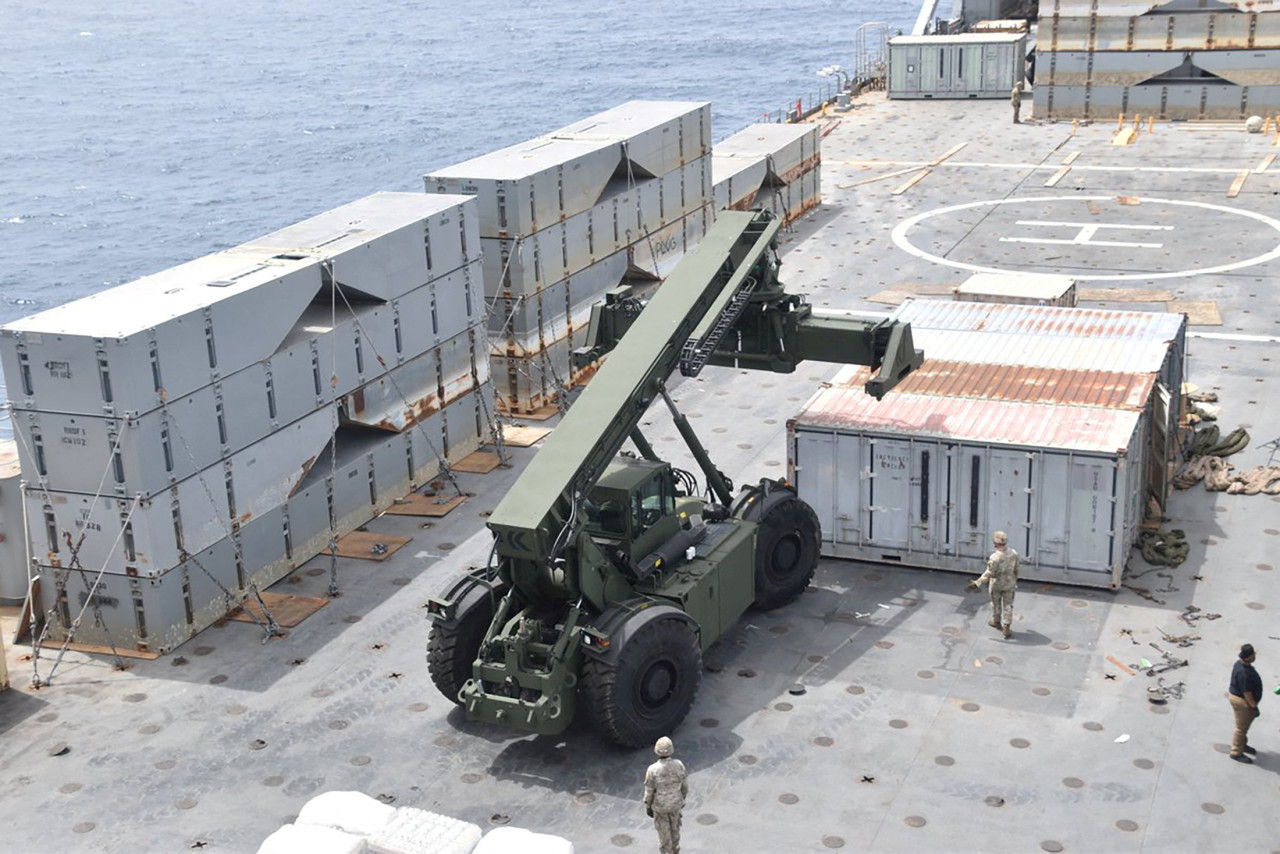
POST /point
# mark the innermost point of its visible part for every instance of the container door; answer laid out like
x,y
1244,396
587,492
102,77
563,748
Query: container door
x,y
814,476
1052,499
849,477
995,64
1093,483
928,495
911,70
971,512
948,505
1159,454
888,492
1010,497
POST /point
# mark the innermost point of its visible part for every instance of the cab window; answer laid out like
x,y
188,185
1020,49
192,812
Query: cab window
x,y
608,517
652,501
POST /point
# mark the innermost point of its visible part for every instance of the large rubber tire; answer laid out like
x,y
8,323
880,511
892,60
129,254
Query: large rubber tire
x,y
650,686
452,650
786,552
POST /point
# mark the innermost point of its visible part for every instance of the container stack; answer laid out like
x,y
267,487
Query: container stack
x,y
213,426
775,167
1055,425
1217,60
609,201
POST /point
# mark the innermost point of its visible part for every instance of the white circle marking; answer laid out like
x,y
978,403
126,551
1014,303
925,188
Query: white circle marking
x,y
903,243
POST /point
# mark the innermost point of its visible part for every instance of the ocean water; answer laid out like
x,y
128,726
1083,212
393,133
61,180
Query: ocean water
x,y
137,134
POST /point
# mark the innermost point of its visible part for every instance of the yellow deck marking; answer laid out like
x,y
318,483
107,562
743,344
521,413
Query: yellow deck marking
x,y
1266,162
1237,184
919,176
1124,137
1057,176
1071,158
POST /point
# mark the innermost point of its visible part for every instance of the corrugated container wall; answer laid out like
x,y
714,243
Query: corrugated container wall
x,y
1054,424
924,481
972,65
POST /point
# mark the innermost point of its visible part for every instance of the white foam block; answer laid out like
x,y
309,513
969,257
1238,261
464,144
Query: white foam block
x,y
311,839
353,812
517,840
415,831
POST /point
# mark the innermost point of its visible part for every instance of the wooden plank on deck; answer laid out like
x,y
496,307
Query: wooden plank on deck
x,y
1237,184
1122,295
96,649
367,545
916,179
285,608
433,506
523,437
1198,312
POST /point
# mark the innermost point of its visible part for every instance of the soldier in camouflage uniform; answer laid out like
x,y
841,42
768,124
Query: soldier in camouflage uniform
x,y
1002,577
666,784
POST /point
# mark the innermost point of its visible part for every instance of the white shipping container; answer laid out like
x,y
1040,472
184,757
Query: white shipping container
x,y
523,323
738,179
524,264
148,614
126,349
658,136
1018,289
386,244
533,185
970,65
657,254
924,480
789,149
149,538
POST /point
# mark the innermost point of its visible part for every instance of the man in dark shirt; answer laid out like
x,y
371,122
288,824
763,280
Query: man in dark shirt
x,y
1244,694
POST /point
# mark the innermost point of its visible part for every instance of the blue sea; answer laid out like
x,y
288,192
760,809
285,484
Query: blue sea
x,y
140,134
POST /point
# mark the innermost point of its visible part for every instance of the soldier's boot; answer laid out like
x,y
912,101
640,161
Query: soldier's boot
x,y
1008,632
993,623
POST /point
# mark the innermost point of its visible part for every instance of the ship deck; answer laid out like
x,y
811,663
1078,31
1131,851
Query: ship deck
x,y
879,712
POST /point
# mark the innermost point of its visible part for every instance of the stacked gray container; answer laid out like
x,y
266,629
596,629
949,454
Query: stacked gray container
x,y
776,167
568,216
213,426
1169,60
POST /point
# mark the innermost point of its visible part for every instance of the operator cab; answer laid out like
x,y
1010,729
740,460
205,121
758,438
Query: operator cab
x,y
632,507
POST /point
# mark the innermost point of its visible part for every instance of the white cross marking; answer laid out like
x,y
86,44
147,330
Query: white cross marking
x,y
1084,237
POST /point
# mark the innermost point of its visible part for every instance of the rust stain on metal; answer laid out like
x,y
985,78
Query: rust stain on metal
x,y
582,376
1106,389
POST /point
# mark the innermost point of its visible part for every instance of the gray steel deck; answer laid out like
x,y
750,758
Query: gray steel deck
x,y
919,728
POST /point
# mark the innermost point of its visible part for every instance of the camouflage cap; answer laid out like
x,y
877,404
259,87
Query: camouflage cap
x,y
664,748
1000,538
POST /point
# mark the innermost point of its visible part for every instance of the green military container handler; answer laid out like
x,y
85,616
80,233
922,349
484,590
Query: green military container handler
x,y
610,575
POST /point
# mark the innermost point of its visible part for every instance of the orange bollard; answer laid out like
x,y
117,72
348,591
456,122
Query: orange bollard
x,y
1151,124
1266,127
1075,126
1119,122
1137,122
